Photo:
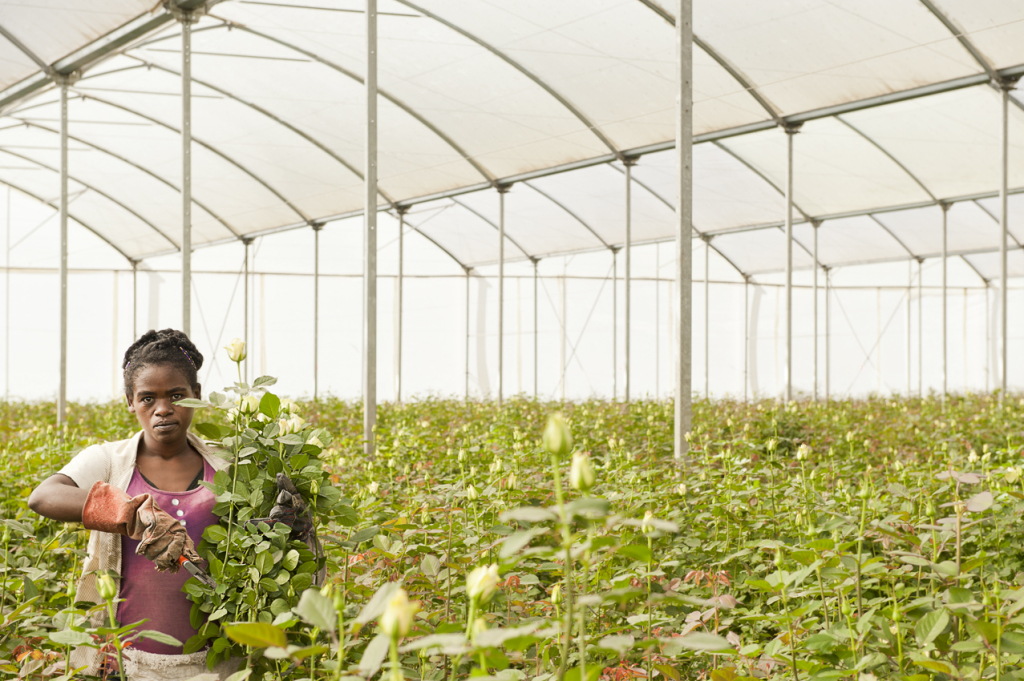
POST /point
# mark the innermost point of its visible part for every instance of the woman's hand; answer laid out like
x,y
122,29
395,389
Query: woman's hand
x,y
59,498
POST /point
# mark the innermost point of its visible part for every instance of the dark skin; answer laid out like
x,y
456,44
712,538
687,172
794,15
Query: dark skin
x,y
165,457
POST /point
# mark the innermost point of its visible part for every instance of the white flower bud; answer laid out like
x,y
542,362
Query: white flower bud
x,y
398,615
236,350
581,474
482,582
557,437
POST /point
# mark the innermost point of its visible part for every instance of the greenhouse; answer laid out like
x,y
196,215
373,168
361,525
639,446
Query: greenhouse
x,y
555,125
728,240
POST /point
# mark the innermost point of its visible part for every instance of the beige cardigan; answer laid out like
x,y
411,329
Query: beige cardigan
x,y
114,463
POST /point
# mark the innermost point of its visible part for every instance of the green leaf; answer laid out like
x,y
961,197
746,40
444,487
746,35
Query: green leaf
x,y
262,382
374,655
70,637
317,610
264,562
240,675
375,607
215,534
297,653
514,542
430,565
212,431
193,403
617,644
930,626
703,641
256,634
980,502
291,559
593,673
588,507
270,405
159,637
636,552
291,439
365,534
528,514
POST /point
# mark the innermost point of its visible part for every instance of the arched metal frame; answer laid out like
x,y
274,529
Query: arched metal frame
x,y
184,11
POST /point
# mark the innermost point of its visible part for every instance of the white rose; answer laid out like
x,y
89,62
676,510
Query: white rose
x,y
482,582
236,350
398,615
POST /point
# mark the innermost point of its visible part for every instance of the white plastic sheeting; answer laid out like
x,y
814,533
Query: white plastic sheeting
x,y
893,96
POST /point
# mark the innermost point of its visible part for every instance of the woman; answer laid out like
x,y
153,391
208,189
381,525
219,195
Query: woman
x,y
142,500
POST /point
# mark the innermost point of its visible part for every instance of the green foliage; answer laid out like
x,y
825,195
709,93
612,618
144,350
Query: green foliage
x,y
889,547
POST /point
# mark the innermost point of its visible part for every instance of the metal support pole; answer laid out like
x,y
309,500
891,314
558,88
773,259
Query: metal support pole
x,y
62,393
535,332
316,309
945,385
564,361
399,330
1004,141
684,226
135,299
370,238
245,330
615,323
920,328
467,334
628,163
502,190
657,321
187,18
7,303
790,132
828,338
707,320
910,283
746,336
815,225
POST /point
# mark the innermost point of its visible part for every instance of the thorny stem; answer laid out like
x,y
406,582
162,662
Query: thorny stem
x,y
234,481
117,638
567,545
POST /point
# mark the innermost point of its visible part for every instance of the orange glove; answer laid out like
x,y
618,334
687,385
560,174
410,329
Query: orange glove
x,y
162,539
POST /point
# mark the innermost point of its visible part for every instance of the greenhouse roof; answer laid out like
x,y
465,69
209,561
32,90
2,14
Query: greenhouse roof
x,y
898,103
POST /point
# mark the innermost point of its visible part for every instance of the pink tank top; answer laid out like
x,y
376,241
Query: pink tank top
x,y
157,596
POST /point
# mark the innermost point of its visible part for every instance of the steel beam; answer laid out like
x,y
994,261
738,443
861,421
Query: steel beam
x,y
245,326
317,227
400,315
502,190
187,18
707,320
684,226
945,383
1004,161
370,237
814,336
628,255
62,390
790,132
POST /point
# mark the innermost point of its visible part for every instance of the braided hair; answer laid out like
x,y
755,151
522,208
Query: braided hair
x,y
166,347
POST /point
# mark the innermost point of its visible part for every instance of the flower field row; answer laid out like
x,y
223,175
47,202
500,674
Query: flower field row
x,y
869,539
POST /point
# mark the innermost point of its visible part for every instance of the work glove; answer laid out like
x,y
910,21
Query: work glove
x,y
162,539
291,509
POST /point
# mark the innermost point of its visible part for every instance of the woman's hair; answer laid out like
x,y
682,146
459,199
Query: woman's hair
x,y
169,347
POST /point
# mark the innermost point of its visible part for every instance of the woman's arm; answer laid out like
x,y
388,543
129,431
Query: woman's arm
x,y
59,498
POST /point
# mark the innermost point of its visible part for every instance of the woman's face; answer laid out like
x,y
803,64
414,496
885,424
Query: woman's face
x,y
156,388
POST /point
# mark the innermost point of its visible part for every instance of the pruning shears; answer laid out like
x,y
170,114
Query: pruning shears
x,y
198,572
